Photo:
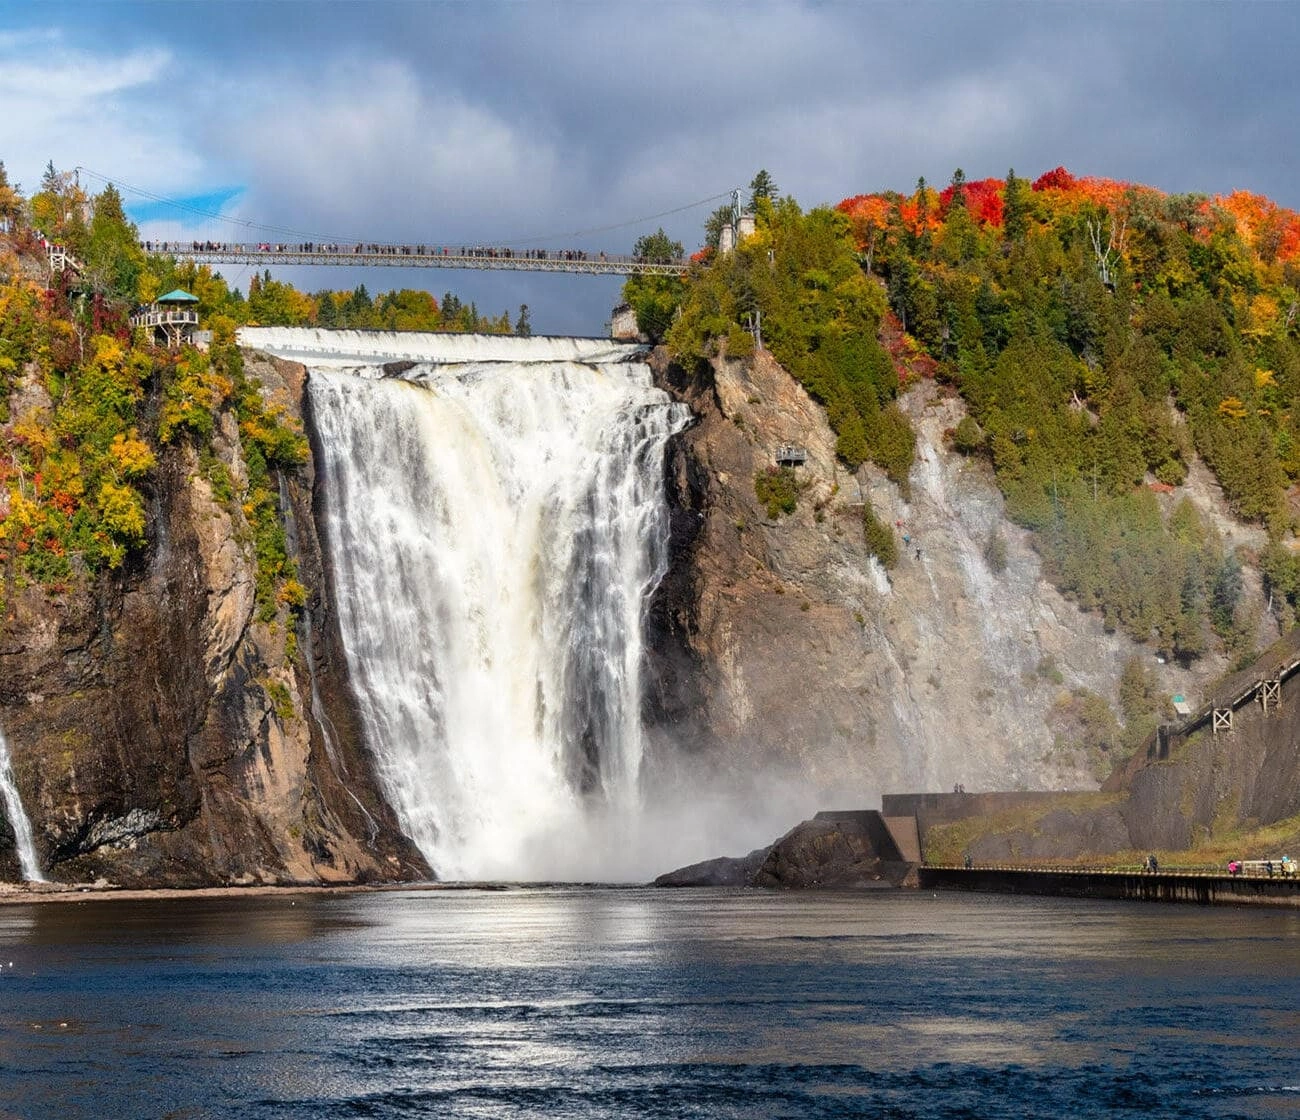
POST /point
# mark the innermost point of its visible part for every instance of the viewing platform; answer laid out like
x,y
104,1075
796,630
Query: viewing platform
x,y
165,317
172,319
789,455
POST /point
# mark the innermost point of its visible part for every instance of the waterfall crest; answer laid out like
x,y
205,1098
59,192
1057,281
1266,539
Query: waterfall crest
x,y
495,519
17,817
316,347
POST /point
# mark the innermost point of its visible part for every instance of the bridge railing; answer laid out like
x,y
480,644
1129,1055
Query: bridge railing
x,y
419,256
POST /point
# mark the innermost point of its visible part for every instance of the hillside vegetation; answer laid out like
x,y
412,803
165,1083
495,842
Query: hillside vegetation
x,y
1101,334
99,404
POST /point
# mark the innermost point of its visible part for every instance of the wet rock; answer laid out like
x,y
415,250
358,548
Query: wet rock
x,y
840,851
725,871
834,850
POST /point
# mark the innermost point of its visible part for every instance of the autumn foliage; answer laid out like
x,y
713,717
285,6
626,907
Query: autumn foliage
x,y
98,407
1271,231
1103,333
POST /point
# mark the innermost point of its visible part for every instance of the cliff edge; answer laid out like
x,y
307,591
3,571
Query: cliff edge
x,y
165,728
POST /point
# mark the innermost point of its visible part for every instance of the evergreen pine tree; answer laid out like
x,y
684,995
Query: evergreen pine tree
x,y
1015,207
958,184
762,186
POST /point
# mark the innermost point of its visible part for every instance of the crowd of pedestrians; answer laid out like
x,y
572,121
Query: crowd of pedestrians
x,y
376,249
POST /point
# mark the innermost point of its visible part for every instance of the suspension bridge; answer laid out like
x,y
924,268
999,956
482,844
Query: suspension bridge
x,y
279,245
267,254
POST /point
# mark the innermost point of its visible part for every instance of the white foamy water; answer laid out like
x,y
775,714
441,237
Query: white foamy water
x,y
318,348
16,815
495,519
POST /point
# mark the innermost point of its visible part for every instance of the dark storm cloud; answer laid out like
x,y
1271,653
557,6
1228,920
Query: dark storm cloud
x,y
491,122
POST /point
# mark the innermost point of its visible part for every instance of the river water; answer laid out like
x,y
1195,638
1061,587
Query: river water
x,y
641,1003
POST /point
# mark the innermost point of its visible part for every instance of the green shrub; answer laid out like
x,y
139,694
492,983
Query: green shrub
x,y
967,437
740,343
880,538
995,551
777,490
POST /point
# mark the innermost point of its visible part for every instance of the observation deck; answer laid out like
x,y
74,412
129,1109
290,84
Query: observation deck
x,y
170,319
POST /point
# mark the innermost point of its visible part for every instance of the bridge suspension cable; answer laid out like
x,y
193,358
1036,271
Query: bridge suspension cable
x,y
239,253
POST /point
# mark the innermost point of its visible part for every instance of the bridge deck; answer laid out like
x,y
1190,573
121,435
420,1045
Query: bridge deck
x,y
416,256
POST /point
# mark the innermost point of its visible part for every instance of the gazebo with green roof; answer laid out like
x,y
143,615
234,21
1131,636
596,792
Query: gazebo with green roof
x,y
172,318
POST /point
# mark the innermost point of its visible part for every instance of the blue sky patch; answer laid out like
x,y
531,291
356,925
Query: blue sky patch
x,y
182,209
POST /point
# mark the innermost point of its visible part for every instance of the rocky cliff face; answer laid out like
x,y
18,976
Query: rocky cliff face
x,y
162,734
781,646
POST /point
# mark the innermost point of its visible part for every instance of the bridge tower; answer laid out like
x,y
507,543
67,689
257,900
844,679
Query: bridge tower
x,y
741,227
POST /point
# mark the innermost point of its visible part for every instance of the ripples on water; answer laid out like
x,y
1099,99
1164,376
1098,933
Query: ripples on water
x,y
583,1003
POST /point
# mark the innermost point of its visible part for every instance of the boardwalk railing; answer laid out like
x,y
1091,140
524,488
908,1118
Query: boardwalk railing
x,y
416,256
1197,885
1251,869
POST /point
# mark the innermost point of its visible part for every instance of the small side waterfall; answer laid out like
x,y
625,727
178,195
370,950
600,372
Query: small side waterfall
x,y
495,518
17,817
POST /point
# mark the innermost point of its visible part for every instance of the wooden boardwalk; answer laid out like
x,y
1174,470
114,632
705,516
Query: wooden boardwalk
x,y
1202,886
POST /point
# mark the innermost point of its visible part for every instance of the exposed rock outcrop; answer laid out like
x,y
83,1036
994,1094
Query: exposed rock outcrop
x,y
783,647
832,851
724,871
163,733
850,850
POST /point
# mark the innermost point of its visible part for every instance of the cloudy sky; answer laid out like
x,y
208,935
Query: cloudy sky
x,y
535,122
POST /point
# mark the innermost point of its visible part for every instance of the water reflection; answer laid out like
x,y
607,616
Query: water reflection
x,y
109,925
631,1003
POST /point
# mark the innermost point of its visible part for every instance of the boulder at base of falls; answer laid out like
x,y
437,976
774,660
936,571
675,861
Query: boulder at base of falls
x,y
834,850
725,871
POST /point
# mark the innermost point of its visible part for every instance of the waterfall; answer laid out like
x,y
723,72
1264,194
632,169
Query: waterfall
x,y
17,817
494,513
